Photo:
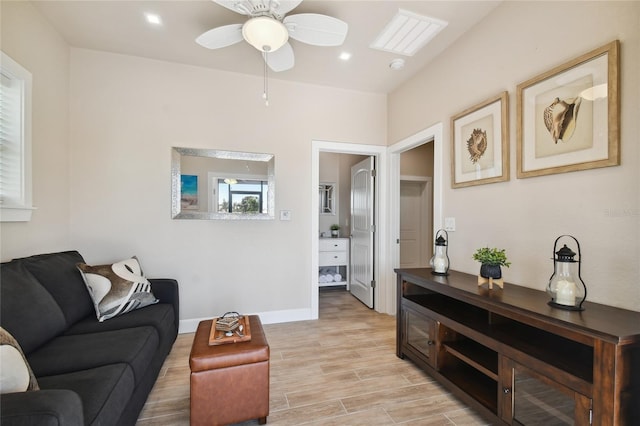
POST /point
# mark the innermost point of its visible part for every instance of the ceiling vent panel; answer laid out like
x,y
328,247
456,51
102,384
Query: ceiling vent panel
x,y
407,33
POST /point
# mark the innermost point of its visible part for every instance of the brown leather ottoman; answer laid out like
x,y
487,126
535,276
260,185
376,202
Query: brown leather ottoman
x,y
230,382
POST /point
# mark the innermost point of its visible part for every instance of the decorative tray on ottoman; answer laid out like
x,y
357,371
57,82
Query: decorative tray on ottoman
x,y
229,329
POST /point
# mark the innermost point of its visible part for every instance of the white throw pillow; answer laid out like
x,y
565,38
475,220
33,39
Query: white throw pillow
x,y
15,373
117,288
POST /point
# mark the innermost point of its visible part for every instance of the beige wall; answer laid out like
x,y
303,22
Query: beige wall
x,y
417,161
31,42
128,112
520,40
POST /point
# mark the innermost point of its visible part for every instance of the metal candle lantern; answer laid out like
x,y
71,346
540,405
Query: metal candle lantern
x,y
440,260
566,288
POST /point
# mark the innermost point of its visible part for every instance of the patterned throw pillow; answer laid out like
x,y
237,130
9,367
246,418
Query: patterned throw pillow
x,y
117,288
15,373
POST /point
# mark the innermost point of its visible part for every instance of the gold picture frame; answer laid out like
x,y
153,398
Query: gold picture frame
x,y
568,117
480,147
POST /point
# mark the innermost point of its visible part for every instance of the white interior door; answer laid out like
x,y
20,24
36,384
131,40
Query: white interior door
x,y
415,249
362,231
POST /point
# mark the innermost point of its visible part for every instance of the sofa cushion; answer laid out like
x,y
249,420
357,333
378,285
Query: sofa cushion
x,y
27,310
15,373
57,273
117,288
64,354
159,316
103,391
55,407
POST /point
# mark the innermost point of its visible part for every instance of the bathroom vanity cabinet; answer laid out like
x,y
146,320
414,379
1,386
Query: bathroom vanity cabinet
x,y
333,257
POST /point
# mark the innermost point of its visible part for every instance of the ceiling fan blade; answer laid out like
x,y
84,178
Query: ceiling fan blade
x,y
282,59
286,6
259,7
316,29
235,5
221,36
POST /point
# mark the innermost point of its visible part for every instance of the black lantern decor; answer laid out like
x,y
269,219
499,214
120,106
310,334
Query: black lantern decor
x,y
440,260
566,288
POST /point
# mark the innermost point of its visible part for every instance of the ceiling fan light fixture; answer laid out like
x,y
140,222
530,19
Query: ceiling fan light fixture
x,y
265,34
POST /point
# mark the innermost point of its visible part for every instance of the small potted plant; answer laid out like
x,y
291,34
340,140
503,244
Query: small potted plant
x,y
335,230
491,260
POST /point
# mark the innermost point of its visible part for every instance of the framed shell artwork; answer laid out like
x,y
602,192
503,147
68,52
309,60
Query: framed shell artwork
x,y
480,148
568,117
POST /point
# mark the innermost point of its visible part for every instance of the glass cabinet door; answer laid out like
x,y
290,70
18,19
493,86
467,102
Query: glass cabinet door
x,y
420,335
534,399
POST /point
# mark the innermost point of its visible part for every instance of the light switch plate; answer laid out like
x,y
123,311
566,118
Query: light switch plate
x,y
449,224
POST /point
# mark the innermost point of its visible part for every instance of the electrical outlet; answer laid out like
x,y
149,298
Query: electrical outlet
x,y
285,214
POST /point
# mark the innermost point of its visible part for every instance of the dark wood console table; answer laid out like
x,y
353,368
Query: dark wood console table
x,y
517,360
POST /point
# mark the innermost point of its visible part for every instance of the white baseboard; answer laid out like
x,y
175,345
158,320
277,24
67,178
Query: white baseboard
x,y
270,317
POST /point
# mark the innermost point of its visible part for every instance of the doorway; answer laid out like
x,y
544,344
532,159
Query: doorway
x,y
416,223
379,153
387,255
416,206
433,136
346,257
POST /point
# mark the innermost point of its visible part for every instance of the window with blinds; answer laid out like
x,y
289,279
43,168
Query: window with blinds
x,y
15,141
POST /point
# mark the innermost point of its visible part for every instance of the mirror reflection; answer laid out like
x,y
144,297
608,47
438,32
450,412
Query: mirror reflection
x,y
326,192
215,184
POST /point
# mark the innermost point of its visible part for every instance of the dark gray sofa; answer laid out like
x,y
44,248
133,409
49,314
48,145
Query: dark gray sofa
x,y
89,372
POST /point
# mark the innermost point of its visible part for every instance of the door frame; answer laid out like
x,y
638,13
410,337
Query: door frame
x,y
381,236
433,135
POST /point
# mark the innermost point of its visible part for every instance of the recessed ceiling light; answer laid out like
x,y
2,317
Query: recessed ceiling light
x,y
152,18
345,56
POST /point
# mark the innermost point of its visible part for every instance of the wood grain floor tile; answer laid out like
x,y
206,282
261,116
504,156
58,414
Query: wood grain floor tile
x,y
421,408
437,420
340,370
165,408
382,396
466,417
341,390
376,417
176,419
306,414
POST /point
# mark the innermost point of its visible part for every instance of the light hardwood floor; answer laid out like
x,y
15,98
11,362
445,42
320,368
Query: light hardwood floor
x,y
338,370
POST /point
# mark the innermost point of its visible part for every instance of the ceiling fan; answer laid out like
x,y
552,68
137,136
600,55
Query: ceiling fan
x,y
268,30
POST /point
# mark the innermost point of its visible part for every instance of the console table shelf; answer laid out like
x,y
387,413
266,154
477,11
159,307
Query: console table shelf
x,y
500,349
476,355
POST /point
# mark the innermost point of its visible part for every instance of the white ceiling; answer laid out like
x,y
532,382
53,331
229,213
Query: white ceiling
x,y
120,27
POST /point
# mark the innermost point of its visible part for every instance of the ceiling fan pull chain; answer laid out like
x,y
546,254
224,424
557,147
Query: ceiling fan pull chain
x,y
265,93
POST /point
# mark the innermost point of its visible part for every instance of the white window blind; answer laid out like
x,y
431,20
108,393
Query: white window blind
x,y
15,141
